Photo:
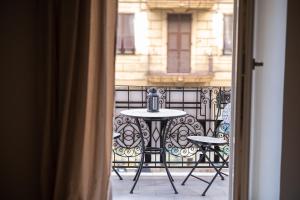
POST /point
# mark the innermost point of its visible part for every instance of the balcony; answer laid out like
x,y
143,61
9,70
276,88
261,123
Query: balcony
x,y
157,187
207,109
181,4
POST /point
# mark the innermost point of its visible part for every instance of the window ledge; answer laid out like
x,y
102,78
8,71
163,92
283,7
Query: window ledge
x,y
179,79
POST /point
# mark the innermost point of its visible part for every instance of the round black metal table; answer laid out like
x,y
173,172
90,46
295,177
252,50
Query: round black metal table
x,y
165,117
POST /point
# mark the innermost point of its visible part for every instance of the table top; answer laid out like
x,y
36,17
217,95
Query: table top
x,y
208,140
162,114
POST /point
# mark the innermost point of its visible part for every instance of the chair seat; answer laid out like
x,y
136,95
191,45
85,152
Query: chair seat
x,y
116,135
207,140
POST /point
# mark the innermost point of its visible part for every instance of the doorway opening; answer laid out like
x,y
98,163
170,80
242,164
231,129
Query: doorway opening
x,y
184,49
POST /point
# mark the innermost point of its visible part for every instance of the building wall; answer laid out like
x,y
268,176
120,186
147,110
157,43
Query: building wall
x,y
132,69
149,65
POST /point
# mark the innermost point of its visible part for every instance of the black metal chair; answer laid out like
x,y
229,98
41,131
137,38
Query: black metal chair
x,y
115,136
208,144
219,144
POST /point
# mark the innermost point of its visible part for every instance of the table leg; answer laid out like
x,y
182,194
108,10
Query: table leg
x,y
140,167
138,173
166,130
148,156
163,155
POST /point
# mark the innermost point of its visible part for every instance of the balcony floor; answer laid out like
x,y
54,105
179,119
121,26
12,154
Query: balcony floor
x,y
157,187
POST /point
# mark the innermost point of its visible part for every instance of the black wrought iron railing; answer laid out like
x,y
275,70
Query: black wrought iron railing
x,y
208,111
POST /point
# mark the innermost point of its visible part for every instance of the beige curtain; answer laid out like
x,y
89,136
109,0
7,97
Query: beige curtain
x,y
79,44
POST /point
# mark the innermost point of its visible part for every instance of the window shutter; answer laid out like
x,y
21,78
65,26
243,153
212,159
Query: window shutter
x,y
125,34
185,43
128,33
228,34
172,59
179,43
119,34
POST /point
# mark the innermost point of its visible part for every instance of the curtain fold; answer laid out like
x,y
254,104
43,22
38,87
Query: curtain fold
x,y
79,98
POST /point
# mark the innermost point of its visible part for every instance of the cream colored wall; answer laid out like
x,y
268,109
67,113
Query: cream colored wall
x,y
157,39
151,47
222,64
132,69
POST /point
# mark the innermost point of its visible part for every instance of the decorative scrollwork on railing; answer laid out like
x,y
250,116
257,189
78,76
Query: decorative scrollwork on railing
x,y
209,115
162,94
224,129
129,143
223,98
176,140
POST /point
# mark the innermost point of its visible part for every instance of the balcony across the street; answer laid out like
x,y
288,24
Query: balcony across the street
x,y
183,4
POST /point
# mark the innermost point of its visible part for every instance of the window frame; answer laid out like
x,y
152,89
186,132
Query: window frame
x,y
227,51
123,50
179,33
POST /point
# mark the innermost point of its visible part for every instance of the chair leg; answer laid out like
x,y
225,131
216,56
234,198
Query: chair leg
x,y
120,177
224,163
209,184
201,157
218,172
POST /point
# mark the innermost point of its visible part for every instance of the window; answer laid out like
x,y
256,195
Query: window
x,y
179,43
228,34
125,34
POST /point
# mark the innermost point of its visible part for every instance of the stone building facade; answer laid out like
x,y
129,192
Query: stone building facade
x,y
174,42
